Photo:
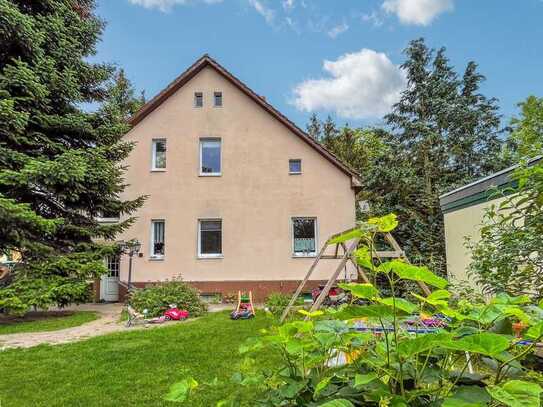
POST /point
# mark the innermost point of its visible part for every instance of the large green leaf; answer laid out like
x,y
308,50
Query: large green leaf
x,y
338,403
367,311
517,393
351,234
385,223
365,290
467,396
422,343
408,271
535,332
503,298
364,258
486,343
437,298
362,379
321,386
180,391
399,304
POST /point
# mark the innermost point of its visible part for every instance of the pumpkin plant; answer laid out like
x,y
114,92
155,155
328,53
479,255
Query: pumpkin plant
x,y
384,353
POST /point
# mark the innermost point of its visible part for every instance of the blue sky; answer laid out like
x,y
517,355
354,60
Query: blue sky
x,y
337,57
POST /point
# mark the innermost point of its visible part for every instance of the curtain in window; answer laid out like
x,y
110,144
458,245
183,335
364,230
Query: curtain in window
x,y
304,235
160,154
158,238
211,156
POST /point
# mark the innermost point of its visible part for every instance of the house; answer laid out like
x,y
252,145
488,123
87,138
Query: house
x,y
463,211
239,197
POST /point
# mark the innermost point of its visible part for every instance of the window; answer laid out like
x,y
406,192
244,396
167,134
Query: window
x,y
210,238
157,238
210,157
159,154
295,166
217,97
113,265
198,99
304,233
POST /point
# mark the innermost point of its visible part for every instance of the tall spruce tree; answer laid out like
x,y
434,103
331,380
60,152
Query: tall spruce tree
x,y
60,166
445,134
441,134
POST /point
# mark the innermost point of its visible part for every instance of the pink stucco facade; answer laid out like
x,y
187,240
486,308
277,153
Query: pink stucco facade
x,y
255,197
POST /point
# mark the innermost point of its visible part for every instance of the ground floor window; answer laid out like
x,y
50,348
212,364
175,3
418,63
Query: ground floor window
x,y
210,238
113,265
157,238
304,236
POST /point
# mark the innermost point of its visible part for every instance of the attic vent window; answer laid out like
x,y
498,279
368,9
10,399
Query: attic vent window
x,y
198,99
218,99
295,166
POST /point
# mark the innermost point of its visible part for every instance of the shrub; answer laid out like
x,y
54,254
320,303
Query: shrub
x,y
277,302
157,298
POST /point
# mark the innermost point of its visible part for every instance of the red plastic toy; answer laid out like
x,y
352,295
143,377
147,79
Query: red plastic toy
x,y
175,314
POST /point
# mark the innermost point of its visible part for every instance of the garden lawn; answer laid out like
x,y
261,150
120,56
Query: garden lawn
x,y
46,321
130,368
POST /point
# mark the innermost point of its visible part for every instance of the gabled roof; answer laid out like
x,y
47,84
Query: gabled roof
x,y
206,61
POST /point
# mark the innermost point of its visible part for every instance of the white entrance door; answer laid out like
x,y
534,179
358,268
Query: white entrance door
x,y
109,283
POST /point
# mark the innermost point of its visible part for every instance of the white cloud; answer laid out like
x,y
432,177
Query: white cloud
x,y
263,10
373,18
166,5
418,12
288,4
362,84
337,30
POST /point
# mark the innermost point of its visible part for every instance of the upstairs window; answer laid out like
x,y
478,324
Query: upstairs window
x,y
157,238
217,97
159,154
295,166
210,157
304,236
198,99
210,238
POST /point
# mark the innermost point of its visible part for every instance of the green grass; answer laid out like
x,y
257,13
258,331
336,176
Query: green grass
x,y
45,321
130,368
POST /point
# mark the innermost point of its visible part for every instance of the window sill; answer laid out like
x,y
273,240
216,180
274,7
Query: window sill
x,y
295,173
156,258
158,170
108,220
210,256
304,256
210,174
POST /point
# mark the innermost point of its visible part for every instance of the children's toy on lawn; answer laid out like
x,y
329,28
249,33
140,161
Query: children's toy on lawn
x,y
245,308
175,314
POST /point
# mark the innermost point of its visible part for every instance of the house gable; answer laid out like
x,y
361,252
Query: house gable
x,y
208,62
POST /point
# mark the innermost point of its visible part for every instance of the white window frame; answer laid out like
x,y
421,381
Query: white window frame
x,y
152,254
215,100
199,238
194,101
316,231
295,172
153,154
201,148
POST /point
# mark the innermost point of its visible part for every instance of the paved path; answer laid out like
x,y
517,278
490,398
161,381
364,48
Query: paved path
x,y
107,322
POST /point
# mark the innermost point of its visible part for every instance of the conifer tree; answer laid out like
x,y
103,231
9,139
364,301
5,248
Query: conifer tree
x,y
60,165
445,135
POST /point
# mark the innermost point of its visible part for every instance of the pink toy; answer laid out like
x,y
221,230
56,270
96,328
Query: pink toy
x,y
175,314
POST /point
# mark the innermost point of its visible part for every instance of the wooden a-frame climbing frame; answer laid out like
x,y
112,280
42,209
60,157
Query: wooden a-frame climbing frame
x,y
347,256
